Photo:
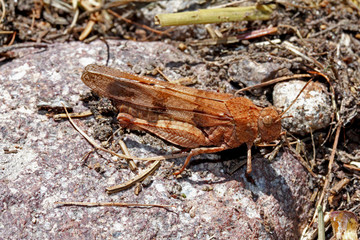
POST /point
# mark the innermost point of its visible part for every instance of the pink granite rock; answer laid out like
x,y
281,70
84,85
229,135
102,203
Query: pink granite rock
x,y
46,165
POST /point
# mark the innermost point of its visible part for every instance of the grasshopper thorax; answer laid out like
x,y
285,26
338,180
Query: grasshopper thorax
x,y
269,124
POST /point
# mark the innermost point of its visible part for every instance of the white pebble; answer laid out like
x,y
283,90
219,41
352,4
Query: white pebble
x,y
312,110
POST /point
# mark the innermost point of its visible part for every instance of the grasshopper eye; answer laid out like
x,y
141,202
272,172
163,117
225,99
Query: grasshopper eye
x,y
268,121
268,124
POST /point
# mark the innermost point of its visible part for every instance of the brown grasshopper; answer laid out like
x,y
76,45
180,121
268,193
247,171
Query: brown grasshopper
x,y
204,121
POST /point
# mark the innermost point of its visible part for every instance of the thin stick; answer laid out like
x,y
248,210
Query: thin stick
x,y
349,156
12,38
295,30
289,46
112,204
73,115
237,166
22,45
332,156
234,3
339,185
3,11
257,33
302,161
181,81
110,5
312,162
6,32
73,23
138,178
276,80
351,167
162,74
333,102
331,162
287,3
32,20
138,24
125,150
88,28
330,28
233,39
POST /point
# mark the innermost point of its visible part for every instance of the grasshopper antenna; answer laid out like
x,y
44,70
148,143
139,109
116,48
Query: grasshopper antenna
x,y
292,103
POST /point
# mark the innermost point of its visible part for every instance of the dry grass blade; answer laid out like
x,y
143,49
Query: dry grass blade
x,y
138,24
6,32
125,150
62,5
88,29
73,115
138,178
3,10
302,161
276,80
73,23
112,204
339,186
295,50
351,167
331,162
233,39
22,45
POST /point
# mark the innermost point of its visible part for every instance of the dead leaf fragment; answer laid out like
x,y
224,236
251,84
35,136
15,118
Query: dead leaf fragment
x,y
344,225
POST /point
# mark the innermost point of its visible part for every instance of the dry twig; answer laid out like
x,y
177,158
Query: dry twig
x,y
112,204
125,150
138,178
138,24
73,115
331,162
276,80
3,10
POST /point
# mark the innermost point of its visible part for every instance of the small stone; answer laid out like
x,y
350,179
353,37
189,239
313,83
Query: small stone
x,y
192,213
207,188
312,110
138,189
250,73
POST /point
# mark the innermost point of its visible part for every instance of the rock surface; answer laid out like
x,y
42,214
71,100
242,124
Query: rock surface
x,y
46,163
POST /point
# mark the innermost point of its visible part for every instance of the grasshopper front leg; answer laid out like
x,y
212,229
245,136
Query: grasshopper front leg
x,y
198,151
179,133
248,165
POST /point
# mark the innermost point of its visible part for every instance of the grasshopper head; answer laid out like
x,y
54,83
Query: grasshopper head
x,y
269,124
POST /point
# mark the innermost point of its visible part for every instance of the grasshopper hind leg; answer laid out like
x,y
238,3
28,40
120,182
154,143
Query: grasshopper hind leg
x,y
176,132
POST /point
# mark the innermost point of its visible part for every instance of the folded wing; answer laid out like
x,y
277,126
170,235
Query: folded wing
x,y
151,99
